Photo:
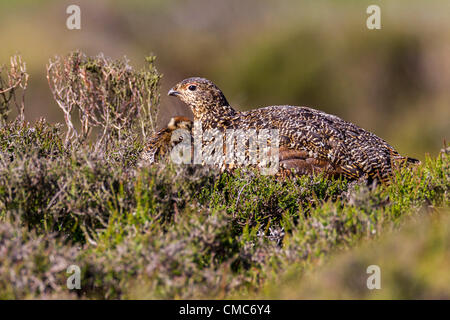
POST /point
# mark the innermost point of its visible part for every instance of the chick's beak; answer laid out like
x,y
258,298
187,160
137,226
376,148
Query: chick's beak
x,y
173,92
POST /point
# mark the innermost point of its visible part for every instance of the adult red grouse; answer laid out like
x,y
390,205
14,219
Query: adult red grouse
x,y
310,140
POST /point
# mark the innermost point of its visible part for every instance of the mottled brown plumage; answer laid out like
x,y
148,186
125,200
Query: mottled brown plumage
x,y
310,140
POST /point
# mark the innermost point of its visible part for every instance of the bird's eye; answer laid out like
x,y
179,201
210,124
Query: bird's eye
x,y
192,87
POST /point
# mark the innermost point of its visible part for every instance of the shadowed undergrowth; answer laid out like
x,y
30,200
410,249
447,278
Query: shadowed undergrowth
x,y
166,231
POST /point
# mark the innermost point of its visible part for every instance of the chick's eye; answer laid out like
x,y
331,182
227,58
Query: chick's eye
x,y
192,87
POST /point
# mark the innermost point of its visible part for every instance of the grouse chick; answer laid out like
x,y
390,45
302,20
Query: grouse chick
x,y
161,143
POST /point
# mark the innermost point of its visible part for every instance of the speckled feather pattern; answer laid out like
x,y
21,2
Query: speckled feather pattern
x,y
310,140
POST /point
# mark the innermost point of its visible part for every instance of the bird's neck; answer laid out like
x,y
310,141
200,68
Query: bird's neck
x,y
214,113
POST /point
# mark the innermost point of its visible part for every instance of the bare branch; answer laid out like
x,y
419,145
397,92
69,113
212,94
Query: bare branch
x,y
108,94
13,85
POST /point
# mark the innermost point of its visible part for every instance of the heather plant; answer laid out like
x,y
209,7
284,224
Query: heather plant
x,y
108,94
13,84
26,269
73,195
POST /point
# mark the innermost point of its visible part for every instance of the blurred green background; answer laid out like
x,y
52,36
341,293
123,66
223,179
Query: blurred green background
x,y
394,81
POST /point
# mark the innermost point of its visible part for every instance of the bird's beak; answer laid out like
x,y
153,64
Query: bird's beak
x,y
173,92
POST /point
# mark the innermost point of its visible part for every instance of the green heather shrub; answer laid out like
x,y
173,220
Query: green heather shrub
x,y
414,264
68,196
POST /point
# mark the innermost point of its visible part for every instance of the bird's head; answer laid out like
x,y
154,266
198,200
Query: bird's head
x,y
202,95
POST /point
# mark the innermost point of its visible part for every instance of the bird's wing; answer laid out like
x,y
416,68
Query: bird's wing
x,y
329,141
